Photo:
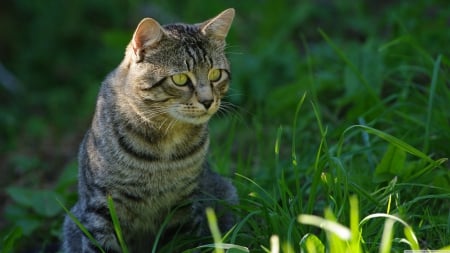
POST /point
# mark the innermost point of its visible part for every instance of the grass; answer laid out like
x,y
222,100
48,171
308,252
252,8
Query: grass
x,y
337,139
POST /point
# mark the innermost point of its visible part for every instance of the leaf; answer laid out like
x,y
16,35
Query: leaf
x,y
311,243
68,177
411,237
392,164
10,239
43,202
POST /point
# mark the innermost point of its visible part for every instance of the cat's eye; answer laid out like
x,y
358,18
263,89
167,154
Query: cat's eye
x,y
180,79
214,75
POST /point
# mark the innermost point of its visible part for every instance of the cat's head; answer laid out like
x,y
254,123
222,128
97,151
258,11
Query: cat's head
x,y
179,70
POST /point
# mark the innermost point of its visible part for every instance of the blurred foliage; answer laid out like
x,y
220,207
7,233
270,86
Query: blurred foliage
x,y
361,62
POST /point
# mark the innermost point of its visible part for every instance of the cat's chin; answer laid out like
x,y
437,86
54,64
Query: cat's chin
x,y
195,120
191,117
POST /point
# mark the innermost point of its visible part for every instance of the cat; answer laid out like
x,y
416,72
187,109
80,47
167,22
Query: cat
x,y
148,141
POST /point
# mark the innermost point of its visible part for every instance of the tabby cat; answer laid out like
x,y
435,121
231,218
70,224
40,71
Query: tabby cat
x,y
148,140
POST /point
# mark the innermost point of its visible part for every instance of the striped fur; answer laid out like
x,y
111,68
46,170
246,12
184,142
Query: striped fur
x,y
149,138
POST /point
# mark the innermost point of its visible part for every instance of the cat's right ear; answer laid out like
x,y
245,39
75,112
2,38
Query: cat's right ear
x,y
218,26
148,33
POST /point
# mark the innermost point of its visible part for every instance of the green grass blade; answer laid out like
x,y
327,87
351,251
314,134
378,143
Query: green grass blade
x,y
267,250
316,179
392,163
274,244
163,226
323,147
363,192
277,147
352,66
286,247
226,246
214,228
354,225
394,42
312,244
116,224
337,240
323,131
10,239
445,248
267,196
241,224
81,226
382,215
331,226
434,80
386,239
294,130
389,138
411,238
428,168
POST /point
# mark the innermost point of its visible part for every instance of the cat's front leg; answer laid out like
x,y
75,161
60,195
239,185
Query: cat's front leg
x,y
217,193
107,242
96,219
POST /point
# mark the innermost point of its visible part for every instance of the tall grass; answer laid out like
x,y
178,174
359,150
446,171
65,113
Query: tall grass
x,y
276,217
337,139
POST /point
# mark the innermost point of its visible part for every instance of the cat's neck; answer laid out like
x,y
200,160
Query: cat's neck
x,y
163,128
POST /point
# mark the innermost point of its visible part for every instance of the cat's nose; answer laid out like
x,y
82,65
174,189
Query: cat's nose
x,y
206,103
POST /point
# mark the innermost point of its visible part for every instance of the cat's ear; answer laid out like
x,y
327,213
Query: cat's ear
x,y
218,26
148,33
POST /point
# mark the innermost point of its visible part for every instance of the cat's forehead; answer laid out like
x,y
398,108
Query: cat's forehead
x,y
186,48
186,35
182,29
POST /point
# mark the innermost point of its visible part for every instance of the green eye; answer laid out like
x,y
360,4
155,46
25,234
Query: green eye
x,y
180,79
214,75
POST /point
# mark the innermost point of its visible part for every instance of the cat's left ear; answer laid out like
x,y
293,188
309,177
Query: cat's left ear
x,y
148,33
218,26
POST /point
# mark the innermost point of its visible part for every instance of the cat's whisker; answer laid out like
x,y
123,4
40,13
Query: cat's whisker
x,y
227,106
233,95
155,112
236,111
148,119
163,123
171,125
228,47
234,53
220,113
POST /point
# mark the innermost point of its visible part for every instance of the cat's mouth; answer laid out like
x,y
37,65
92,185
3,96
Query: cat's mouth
x,y
192,116
194,119
192,112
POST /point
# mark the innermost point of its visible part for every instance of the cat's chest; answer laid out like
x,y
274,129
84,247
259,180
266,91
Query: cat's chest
x,y
148,201
157,182
149,178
